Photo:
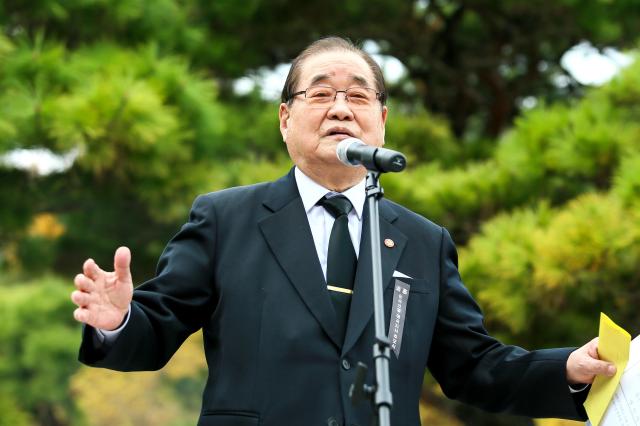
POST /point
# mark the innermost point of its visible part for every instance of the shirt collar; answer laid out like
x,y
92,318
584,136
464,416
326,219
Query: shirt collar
x,y
311,192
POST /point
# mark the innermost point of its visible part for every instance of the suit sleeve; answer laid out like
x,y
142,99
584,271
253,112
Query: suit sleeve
x,y
168,308
475,368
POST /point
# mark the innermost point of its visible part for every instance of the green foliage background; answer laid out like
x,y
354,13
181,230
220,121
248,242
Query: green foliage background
x,y
542,202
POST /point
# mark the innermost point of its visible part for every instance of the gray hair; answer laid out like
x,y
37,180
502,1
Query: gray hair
x,y
326,45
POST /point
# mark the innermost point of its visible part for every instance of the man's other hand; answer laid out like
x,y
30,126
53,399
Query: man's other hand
x,y
584,364
102,297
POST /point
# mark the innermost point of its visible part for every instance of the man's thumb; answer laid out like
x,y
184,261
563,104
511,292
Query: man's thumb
x,y
121,262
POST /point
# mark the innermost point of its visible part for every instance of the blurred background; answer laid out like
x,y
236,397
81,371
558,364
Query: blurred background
x,y
520,119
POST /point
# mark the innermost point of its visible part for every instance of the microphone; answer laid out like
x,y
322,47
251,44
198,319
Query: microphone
x,y
353,152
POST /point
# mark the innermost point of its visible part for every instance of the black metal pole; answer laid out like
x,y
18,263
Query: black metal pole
x,y
383,399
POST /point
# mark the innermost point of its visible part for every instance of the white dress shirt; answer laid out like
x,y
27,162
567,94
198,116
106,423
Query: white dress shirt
x,y
321,221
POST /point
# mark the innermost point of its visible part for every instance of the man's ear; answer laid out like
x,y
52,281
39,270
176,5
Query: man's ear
x,y
283,116
384,113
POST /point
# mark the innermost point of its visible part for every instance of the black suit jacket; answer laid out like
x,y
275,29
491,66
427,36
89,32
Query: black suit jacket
x,y
245,270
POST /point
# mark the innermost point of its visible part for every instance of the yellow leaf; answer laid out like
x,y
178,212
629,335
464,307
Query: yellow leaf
x,y
46,225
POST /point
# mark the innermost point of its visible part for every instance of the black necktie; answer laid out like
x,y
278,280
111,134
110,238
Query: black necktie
x,y
341,258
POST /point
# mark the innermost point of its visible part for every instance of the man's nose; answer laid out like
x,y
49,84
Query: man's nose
x,y
340,109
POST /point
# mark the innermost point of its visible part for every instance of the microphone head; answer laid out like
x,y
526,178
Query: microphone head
x,y
343,147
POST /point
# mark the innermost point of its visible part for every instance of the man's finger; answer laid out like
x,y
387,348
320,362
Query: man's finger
x,y
610,370
91,269
81,315
80,298
121,263
596,367
592,348
83,283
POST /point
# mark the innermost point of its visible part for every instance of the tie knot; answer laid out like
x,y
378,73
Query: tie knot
x,y
337,205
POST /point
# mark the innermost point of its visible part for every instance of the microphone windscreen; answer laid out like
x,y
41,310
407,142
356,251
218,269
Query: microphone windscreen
x,y
343,148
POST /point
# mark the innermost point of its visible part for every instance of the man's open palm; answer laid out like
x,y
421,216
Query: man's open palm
x,y
102,297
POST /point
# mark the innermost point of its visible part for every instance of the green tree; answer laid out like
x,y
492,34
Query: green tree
x,y
144,128
471,61
38,350
11,414
553,153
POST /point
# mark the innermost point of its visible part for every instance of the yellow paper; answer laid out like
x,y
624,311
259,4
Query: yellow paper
x,y
613,346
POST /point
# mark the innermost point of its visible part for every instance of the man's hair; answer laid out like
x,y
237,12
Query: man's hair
x,y
329,44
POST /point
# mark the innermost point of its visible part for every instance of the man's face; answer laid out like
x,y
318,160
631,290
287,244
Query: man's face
x,y
312,134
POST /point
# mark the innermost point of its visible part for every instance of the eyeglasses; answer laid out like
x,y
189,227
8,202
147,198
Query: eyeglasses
x,y
322,96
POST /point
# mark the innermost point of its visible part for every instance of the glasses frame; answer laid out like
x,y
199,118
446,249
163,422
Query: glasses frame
x,y
346,97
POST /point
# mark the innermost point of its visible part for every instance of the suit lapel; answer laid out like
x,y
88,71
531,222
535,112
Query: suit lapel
x,y
361,311
288,235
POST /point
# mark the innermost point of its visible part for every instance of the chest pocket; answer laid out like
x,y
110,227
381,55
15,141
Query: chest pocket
x,y
413,331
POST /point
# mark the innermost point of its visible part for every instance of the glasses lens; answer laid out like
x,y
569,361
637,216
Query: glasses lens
x,y
320,95
361,96
356,97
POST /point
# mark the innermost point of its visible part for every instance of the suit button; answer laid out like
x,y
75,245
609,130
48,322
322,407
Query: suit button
x,y
331,421
346,364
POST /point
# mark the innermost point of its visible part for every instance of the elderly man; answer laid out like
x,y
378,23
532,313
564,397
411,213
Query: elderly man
x,y
277,275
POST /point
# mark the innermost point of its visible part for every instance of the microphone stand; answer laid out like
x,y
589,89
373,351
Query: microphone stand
x,y
380,393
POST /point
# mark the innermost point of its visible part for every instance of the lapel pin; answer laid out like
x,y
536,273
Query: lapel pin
x,y
389,242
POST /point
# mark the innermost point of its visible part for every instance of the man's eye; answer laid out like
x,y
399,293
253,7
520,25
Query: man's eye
x,y
321,94
358,94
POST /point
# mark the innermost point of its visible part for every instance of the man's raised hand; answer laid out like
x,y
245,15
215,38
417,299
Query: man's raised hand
x,y
102,297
